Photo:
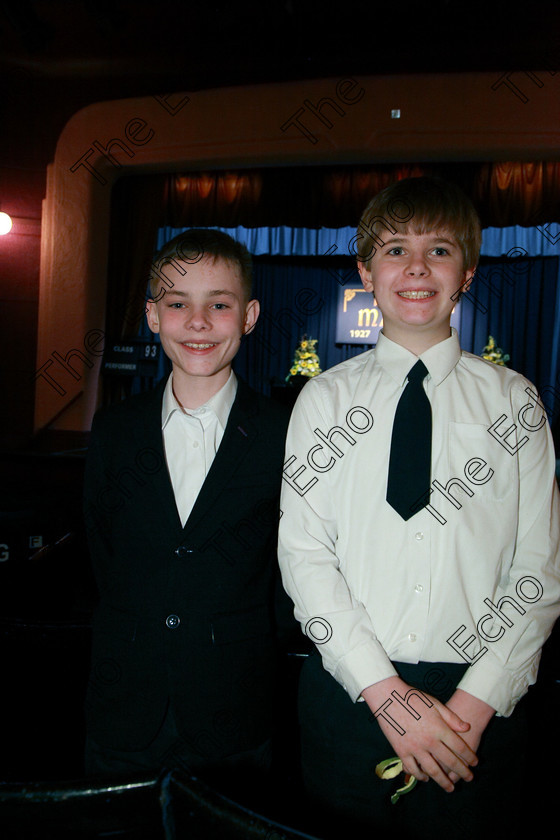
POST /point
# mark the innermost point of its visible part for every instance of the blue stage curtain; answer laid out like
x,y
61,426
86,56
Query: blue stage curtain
x,y
518,303
539,241
282,241
297,297
298,273
515,297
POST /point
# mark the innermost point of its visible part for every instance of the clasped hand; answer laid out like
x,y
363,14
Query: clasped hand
x,y
431,740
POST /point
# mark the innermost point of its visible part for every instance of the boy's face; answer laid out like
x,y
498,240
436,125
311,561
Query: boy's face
x,y
413,277
201,319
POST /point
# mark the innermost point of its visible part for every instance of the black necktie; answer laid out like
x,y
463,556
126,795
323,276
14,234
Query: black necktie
x,y
408,483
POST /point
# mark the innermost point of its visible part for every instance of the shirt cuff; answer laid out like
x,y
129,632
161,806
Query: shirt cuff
x,y
500,689
363,666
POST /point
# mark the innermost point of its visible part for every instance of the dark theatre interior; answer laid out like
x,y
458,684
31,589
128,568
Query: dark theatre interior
x,y
123,123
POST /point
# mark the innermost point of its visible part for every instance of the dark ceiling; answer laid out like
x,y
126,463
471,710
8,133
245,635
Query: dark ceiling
x,y
56,56
132,43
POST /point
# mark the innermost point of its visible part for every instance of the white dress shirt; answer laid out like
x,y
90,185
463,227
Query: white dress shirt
x,y
191,438
369,587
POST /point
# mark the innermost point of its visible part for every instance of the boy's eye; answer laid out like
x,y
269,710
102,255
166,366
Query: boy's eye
x,y
396,251
440,251
220,306
176,305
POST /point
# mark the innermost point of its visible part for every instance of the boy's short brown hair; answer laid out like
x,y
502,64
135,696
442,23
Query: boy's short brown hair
x,y
197,244
419,205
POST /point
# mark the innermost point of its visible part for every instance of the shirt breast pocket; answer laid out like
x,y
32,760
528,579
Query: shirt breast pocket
x,y
482,465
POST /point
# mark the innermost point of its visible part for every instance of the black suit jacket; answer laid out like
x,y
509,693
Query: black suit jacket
x,y
186,615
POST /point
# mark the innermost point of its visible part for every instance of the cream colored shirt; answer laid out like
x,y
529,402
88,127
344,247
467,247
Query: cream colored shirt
x,y
475,577
191,439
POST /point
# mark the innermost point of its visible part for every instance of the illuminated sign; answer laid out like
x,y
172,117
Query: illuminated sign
x,y
359,319
131,357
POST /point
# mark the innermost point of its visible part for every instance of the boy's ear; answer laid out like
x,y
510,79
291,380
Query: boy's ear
x,y
365,277
469,275
252,312
152,316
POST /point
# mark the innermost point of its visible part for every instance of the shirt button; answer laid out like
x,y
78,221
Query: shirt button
x,y
419,535
195,444
172,621
182,551
412,637
418,587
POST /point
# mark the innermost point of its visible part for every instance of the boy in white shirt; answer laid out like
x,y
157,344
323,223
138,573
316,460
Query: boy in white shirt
x,y
435,616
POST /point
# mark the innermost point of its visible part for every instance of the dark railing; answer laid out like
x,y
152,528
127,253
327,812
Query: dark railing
x,y
172,807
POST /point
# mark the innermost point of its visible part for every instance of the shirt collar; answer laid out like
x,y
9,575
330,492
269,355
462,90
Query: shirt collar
x,y
440,359
220,403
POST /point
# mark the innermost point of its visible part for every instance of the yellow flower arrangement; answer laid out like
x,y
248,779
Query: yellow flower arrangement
x,y
495,354
306,360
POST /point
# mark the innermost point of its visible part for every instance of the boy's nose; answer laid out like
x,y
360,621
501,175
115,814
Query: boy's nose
x,y
417,266
198,319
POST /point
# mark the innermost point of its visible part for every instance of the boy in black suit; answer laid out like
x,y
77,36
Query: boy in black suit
x,y
181,504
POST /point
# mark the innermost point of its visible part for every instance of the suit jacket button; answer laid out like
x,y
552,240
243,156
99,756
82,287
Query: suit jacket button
x,y
172,621
182,552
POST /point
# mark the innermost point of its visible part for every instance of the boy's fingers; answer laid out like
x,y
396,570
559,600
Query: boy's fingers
x,y
457,764
465,759
414,769
463,751
450,738
453,763
433,769
440,763
453,720
446,772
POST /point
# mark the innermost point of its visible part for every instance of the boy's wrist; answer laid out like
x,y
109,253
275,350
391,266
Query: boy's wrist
x,y
375,695
390,693
470,708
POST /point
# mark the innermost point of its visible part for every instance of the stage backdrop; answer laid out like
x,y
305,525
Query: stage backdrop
x,y
303,278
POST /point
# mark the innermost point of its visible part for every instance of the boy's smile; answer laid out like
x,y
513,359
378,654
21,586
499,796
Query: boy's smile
x,y
415,278
201,319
